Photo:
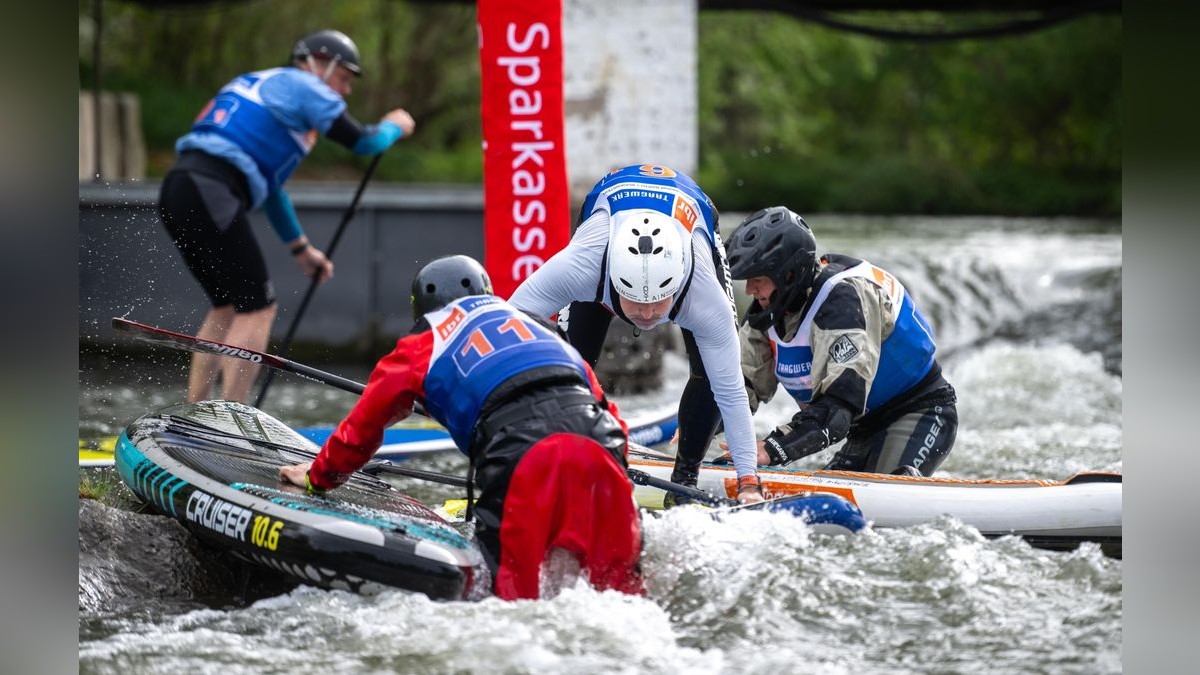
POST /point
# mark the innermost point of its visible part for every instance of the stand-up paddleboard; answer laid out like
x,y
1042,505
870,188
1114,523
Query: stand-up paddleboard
x,y
214,467
417,436
1051,514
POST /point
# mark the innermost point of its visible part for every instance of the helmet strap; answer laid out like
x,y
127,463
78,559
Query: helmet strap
x,y
315,69
330,68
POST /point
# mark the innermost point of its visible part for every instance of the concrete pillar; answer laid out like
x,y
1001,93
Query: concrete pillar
x,y
87,142
629,86
124,148
133,146
110,137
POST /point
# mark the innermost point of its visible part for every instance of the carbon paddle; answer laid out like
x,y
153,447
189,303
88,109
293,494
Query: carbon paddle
x,y
286,345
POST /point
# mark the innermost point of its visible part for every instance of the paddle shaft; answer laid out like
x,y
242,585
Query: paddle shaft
x,y
642,478
286,345
378,466
190,343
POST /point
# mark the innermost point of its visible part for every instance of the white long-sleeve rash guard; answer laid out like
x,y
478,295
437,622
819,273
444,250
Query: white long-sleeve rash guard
x,y
572,275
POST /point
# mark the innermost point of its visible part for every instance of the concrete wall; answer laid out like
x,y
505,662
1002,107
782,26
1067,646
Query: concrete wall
x,y
630,87
129,267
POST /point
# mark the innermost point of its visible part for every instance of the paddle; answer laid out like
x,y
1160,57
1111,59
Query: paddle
x,y
378,466
642,478
312,287
190,343
161,336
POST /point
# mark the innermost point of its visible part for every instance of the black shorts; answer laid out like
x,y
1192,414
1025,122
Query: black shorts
x,y
204,212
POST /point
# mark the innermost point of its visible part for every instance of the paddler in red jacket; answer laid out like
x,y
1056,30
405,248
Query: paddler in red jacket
x,y
547,449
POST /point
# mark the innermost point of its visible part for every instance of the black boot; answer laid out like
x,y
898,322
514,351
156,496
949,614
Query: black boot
x,y
685,473
908,470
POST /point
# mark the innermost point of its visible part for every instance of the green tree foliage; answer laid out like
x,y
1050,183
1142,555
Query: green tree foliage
x,y
824,121
790,113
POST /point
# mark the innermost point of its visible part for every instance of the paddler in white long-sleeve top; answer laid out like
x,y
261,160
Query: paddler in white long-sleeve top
x,y
648,250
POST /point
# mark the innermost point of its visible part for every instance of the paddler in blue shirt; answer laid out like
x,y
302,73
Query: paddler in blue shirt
x,y
848,343
242,148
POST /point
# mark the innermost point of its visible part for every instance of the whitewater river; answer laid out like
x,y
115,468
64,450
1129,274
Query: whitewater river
x,y
1028,316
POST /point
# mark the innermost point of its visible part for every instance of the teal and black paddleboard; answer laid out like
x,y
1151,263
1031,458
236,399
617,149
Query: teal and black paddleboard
x,y
214,467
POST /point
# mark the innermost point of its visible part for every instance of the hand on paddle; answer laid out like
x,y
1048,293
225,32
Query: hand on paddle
x,y
295,474
763,458
402,119
313,263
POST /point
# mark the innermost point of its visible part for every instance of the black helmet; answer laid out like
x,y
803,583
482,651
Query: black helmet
x,y
447,279
329,44
776,243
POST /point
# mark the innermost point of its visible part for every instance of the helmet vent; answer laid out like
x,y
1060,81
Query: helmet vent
x,y
664,284
430,288
646,245
466,283
626,283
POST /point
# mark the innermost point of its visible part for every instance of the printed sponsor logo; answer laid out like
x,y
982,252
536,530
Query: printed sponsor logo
x,y
795,368
265,533
644,194
218,515
930,438
447,327
232,351
685,213
843,350
726,279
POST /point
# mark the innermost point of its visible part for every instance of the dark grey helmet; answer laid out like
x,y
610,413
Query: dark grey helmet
x,y
776,243
329,44
445,280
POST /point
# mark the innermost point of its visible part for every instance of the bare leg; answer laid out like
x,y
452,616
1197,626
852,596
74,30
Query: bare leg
x,y
250,330
206,366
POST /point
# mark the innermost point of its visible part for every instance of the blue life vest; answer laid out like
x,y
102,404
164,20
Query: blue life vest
x,y
655,187
265,135
479,342
662,189
905,357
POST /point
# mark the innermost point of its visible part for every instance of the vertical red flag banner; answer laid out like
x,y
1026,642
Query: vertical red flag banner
x,y
526,215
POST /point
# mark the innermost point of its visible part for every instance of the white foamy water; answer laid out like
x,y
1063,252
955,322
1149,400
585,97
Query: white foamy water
x,y
759,593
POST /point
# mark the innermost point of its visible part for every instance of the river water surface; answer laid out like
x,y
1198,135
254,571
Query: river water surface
x,y
1027,315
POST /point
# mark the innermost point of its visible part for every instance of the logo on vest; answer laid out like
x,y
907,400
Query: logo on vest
x,y
843,350
445,328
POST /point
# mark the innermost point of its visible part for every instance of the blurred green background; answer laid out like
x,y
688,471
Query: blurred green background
x,y
789,112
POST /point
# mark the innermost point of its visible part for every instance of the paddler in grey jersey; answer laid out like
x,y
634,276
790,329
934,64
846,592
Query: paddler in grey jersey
x,y
848,343
648,250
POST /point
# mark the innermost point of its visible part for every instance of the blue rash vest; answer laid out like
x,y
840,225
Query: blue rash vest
x,y
905,357
265,123
479,342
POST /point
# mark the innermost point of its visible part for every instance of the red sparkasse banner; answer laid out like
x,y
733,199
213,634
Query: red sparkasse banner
x,y
526,215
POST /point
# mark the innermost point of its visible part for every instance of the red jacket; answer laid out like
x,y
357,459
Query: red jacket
x,y
397,381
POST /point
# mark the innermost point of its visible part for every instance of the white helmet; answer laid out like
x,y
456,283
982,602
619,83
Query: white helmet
x,y
647,255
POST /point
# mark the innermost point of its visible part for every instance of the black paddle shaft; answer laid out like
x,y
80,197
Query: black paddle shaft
x,y
286,345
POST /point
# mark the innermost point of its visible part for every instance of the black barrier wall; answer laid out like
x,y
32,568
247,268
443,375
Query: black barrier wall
x,y
128,266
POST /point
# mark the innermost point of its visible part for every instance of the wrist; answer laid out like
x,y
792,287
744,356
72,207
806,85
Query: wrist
x,y
750,483
297,249
308,485
774,450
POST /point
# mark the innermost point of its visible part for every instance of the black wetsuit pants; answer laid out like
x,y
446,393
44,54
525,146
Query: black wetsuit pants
x,y
505,433
918,432
699,416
